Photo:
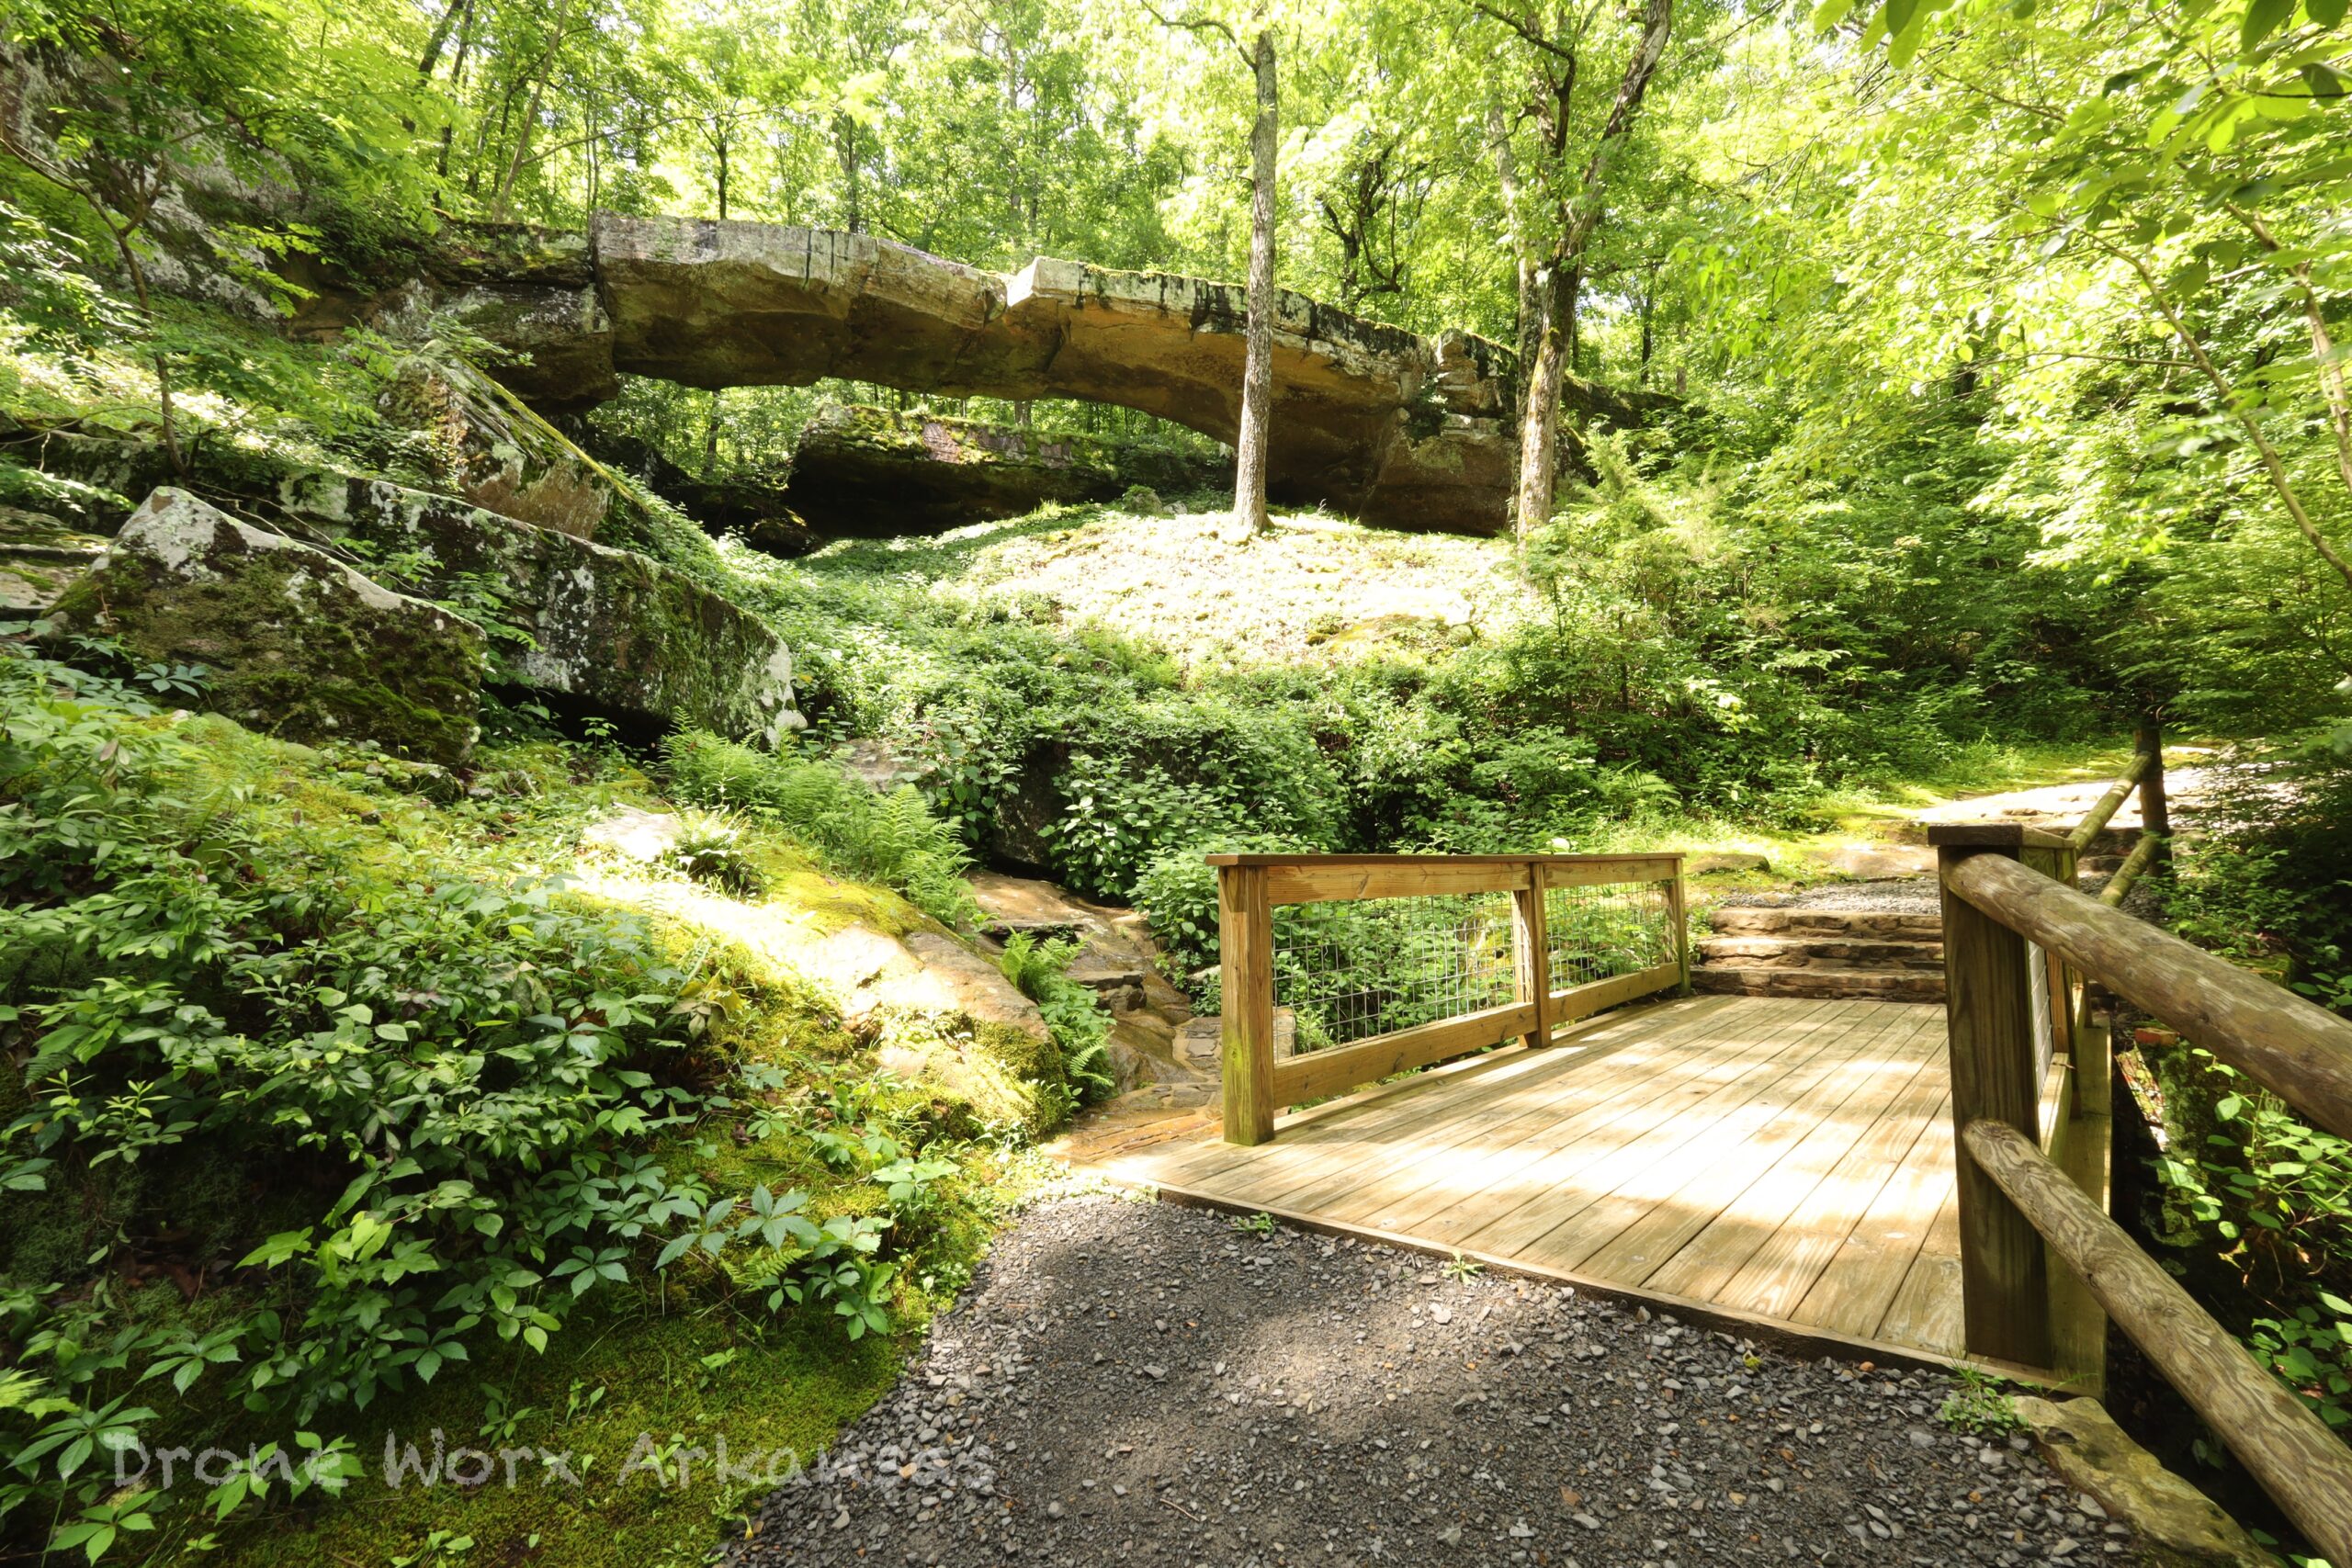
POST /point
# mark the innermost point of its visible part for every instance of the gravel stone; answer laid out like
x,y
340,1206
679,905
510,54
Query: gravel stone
x,y
1304,1404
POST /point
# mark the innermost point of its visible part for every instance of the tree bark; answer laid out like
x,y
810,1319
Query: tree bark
x,y
1258,365
1539,424
1527,323
1579,217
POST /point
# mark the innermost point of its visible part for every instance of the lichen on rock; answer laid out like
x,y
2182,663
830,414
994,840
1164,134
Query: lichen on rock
x,y
293,642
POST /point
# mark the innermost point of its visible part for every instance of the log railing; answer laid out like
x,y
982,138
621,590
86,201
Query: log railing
x,y
1339,970
2016,925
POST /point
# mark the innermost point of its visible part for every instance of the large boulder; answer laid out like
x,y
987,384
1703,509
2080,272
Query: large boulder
x,y
868,470
40,559
293,642
608,631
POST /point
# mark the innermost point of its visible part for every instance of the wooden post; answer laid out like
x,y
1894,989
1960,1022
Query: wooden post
x,y
1532,952
1676,912
2004,1280
2156,812
2060,866
1246,983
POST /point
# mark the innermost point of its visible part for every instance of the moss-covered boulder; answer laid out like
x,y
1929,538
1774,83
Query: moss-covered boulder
x,y
603,630
40,559
292,641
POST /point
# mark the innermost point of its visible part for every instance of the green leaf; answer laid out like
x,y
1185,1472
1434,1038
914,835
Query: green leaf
x,y
2263,17
2325,13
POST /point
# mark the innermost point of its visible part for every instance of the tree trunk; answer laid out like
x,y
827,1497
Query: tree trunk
x,y
845,150
721,140
1540,423
1258,365
1523,263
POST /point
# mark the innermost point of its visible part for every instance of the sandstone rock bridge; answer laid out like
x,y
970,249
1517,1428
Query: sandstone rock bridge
x,y
1391,426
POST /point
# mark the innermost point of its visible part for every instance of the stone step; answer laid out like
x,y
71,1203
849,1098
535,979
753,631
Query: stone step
x,y
1818,952
1871,984
1755,919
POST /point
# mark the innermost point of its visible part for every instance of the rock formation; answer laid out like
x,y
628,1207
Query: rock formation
x,y
292,641
590,628
867,471
1393,426
609,631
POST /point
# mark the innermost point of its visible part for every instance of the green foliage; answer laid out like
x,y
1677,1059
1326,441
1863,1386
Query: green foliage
x,y
710,849
1075,1015
892,838
1977,1403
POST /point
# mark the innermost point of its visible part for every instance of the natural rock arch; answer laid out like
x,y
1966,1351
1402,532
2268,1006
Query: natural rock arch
x,y
1392,427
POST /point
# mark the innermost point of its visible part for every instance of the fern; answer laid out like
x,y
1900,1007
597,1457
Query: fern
x,y
1074,1014
890,839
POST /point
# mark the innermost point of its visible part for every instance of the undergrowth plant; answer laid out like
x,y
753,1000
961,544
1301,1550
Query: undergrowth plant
x,y
890,838
380,1106
1075,1015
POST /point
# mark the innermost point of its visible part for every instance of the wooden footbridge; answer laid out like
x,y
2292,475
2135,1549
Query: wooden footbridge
x,y
1498,1058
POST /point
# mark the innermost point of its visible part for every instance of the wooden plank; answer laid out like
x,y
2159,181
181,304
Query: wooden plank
x,y
1531,957
2306,1469
1810,1220
1459,1088
1338,1164
1539,1160
1607,1196
1571,1184
1995,1074
1635,1231
1324,884
1925,1310
2295,1048
1859,1284
1651,868
1246,979
1576,1001
1340,1068
2077,1323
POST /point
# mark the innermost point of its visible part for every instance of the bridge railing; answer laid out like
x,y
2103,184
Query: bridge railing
x,y
1339,970
2018,933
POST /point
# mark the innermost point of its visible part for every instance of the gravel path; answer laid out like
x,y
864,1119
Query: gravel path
x,y
1893,895
1129,1383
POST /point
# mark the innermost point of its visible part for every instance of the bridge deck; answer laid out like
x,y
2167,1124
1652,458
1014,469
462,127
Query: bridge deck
x,y
1783,1166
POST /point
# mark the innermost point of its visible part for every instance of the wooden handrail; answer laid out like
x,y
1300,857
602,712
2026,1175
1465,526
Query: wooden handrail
x,y
2117,792
2009,895
1250,886
2135,864
2295,1048
2298,1460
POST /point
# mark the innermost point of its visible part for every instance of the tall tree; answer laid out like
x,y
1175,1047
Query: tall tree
x,y
1258,331
1557,43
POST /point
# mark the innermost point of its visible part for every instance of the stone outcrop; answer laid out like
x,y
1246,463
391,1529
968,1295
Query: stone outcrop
x,y
1393,426
868,470
602,630
292,642
39,558
2173,1524
609,631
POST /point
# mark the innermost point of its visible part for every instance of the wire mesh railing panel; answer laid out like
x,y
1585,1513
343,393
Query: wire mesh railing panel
x,y
1598,932
1355,968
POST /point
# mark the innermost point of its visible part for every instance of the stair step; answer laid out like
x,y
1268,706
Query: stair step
x,y
1871,984
1758,920
1820,952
